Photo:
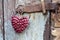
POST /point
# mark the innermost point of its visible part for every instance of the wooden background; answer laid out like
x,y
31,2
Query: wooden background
x,y
9,34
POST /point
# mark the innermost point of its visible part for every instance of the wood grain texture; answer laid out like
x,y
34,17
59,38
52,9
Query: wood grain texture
x,y
39,7
55,1
1,21
56,33
55,20
8,12
35,30
36,5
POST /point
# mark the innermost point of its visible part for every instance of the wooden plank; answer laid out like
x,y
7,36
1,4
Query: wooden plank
x,y
33,8
49,5
1,21
55,1
8,12
38,7
56,18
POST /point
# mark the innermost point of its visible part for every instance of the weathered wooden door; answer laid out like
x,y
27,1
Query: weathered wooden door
x,y
36,29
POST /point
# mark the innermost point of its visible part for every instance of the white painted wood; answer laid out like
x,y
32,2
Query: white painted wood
x,y
1,21
34,31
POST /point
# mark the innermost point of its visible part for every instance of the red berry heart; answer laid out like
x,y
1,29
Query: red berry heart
x,y
19,24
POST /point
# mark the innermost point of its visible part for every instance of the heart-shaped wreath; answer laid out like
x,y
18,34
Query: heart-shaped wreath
x,y
19,23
